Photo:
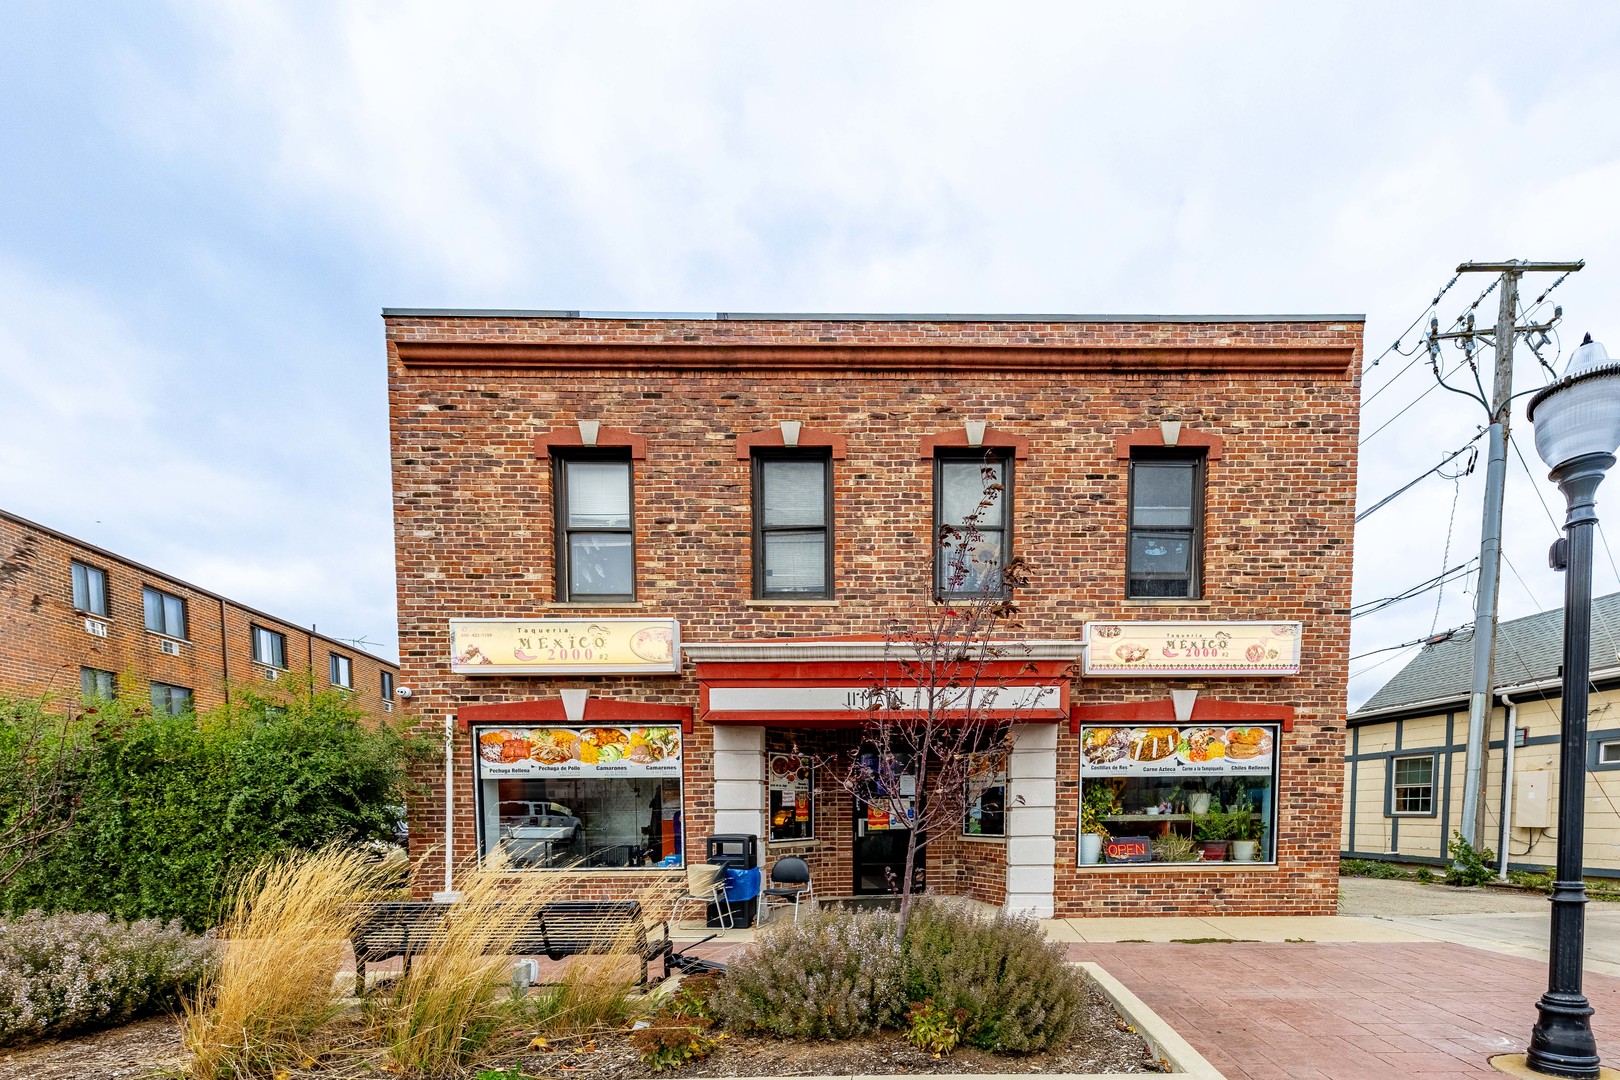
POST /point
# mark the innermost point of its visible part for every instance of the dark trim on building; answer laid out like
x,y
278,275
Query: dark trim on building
x,y
791,316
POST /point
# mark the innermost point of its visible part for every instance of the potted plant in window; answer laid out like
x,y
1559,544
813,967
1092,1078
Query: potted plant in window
x,y
1213,832
1248,828
1095,806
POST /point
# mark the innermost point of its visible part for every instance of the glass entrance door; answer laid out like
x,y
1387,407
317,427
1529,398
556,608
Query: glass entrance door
x,y
880,853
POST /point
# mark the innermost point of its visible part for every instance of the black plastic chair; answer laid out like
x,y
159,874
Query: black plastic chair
x,y
790,881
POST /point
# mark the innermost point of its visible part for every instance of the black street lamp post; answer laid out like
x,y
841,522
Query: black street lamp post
x,y
1577,424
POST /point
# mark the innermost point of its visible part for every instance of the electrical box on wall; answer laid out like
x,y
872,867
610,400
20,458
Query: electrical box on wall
x,y
1532,790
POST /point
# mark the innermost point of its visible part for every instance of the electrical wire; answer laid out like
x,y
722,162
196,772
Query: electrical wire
x,y
1396,348
1368,607
1431,389
1387,499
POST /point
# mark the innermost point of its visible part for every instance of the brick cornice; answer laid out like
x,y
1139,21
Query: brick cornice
x,y
774,359
957,440
1212,444
809,439
606,438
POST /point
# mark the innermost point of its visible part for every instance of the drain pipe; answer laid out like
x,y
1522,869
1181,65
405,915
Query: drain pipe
x,y
1509,737
449,894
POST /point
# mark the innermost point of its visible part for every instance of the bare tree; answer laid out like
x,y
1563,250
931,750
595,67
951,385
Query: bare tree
x,y
42,754
941,700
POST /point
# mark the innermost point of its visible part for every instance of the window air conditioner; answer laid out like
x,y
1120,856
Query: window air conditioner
x,y
171,648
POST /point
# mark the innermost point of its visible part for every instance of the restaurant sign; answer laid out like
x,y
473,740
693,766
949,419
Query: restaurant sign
x,y
1192,648
565,646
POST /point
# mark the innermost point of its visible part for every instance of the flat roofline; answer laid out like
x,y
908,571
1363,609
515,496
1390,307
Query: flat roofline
x,y
184,584
817,316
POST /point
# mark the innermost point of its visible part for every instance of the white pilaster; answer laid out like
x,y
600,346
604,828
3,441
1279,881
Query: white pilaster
x,y
1032,819
740,798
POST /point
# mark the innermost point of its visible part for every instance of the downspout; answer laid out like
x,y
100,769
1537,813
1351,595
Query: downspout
x,y
1510,730
449,894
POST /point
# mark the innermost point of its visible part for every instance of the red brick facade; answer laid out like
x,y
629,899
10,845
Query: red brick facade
x,y
46,641
469,394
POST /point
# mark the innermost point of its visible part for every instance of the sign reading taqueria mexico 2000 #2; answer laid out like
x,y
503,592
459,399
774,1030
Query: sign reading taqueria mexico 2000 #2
x,y
564,646
1192,648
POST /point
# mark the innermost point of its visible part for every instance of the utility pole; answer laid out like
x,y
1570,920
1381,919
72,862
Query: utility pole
x,y
1499,410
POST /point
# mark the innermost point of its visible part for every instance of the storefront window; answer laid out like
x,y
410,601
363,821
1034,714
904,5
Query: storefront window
x,y
594,798
986,813
1179,793
791,778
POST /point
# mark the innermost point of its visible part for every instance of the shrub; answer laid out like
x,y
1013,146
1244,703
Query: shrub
x,y
668,1042
834,975
1468,863
1423,875
1531,879
283,941
168,808
931,1028
1017,989
59,973
1372,868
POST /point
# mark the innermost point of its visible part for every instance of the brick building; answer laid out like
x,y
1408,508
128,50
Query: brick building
x,y
642,561
77,619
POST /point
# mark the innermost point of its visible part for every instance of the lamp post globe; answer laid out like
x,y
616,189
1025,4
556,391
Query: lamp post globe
x,y
1577,425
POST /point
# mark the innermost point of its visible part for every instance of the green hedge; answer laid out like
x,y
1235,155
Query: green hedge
x,y
170,808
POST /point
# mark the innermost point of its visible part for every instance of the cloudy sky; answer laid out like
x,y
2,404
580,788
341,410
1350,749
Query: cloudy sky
x,y
204,206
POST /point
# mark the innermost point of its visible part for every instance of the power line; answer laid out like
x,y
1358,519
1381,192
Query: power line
x,y
1432,639
1414,401
1397,346
1368,607
1387,499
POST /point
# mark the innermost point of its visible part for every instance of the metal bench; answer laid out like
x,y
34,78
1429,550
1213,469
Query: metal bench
x,y
560,929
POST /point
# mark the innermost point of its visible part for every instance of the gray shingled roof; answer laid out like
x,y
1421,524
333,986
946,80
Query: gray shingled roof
x,y
1527,650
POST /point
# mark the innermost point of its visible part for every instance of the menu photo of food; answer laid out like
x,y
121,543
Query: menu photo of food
x,y
789,772
531,751
1137,751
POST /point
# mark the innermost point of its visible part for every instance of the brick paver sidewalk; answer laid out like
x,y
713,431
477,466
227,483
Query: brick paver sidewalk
x,y
1353,1011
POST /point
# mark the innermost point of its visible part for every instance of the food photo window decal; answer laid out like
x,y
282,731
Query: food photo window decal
x,y
791,779
602,797
1182,793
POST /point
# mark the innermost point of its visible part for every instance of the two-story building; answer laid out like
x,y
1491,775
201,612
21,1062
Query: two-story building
x,y
76,619
646,565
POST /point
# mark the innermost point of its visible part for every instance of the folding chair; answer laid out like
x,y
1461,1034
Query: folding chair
x,y
706,885
790,880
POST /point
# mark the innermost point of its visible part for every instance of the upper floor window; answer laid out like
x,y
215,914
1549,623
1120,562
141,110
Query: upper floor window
x,y
173,700
165,613
97,685
269,647
388,686
792,526
595,534
1165,552
89,589
972,523
341,670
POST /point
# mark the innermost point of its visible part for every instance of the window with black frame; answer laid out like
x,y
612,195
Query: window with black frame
x,y
269,647
972,522
89,589
164,612
790,779
792,526
595,529
986,810
1164,558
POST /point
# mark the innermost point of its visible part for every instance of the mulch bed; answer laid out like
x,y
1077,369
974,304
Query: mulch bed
x,y
150,1047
